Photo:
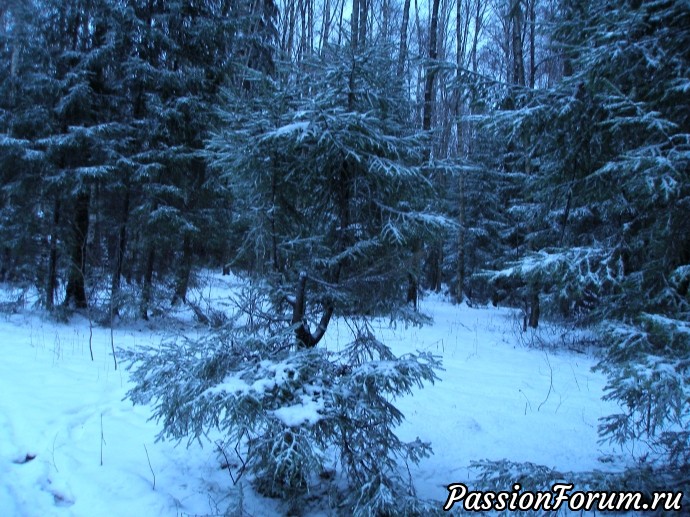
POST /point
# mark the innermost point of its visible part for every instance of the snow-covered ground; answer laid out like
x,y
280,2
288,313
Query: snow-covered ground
x,y
71,445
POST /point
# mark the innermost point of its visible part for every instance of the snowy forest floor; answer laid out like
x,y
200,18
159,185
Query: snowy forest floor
x,y
71,445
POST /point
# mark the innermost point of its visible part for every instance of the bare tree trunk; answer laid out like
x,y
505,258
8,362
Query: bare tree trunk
x,y
75,290
184,272
52,260
363,20
465,131
567,58
304,337
460,42
310,24
412,290
534,311
148,283
385,20
290,29
340,22
532,42
516,16
6,259
120,256
430,71
436,252
303,30
326,24
354,24
477,29
402,55
460,270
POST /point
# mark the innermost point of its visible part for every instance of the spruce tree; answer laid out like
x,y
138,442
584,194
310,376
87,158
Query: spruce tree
x,y
329,192
610,232
26,93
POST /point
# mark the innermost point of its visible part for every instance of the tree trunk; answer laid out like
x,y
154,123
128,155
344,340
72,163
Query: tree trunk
x,y
310,25
569,16
6,259
460,267
435,252
516,16
340,22
430,72
534,311
184,272
412,290
75,291
435,266
402,55
148,281
479,18
326,24
461,38
119,256
363,19
290,29
303,335
354,24
302,51
532,42
52,260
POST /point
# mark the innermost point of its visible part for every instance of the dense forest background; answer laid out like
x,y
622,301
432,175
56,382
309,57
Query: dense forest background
x,y
533,153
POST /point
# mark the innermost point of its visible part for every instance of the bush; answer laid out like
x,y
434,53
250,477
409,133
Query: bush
x,y
287,410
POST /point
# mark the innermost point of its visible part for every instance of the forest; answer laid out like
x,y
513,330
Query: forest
x,y
347,158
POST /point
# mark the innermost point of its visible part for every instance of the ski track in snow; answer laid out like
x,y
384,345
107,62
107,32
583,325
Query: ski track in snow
x,y
60,413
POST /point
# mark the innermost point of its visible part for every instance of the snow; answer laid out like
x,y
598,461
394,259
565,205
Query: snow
x,y
307,411
71,445
294,127
231,384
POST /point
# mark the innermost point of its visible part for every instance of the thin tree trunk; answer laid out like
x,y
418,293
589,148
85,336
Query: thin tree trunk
x,y
402,55
340,22
326,25
385,20
477,28
6,259
290,29
148,283
363,18
147,286
52,261
304,337
75,291
568,14
274,231
96,254
430,72
460,49
435,254
460,270
516,16
354,24
302,8
310,12
120,256
184,272
532,42
534,311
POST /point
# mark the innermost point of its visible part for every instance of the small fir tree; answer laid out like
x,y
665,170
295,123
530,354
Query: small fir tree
x,y
330,193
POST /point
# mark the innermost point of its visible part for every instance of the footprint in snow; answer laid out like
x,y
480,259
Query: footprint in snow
x,y
26,459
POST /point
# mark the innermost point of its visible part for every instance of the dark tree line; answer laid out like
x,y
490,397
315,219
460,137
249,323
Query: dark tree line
x,y
106,107
110,193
